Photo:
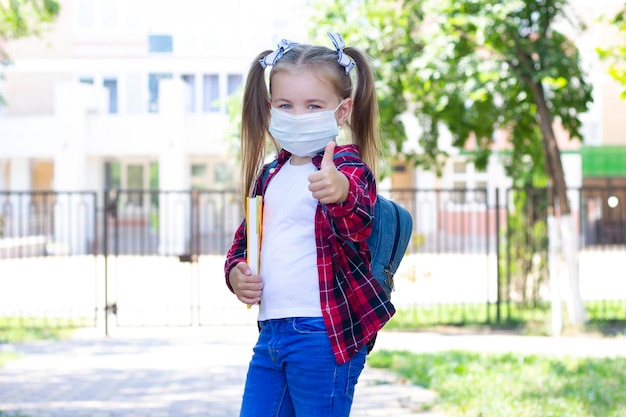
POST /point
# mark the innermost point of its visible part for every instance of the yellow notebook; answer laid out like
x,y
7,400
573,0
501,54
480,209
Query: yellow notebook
x,y
254,225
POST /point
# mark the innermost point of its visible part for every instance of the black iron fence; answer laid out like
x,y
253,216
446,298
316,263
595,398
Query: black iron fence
x,y
180,223
45,223
498,241
192,223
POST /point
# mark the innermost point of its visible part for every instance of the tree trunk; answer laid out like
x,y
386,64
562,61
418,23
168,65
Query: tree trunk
x,y
560,212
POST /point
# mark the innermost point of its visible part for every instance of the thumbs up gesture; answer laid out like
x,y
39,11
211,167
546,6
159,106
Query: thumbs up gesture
x,y
329,185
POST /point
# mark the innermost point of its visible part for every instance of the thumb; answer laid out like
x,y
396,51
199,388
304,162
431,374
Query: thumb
x,y
329,153
244,268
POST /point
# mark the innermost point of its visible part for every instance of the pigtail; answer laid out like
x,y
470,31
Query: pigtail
x,y
364,117
255,118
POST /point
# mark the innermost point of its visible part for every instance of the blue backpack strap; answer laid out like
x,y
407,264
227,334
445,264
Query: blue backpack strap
x,y
346,152
391,233
266,171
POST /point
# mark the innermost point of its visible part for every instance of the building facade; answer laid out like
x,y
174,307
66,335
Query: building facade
x,y
133,93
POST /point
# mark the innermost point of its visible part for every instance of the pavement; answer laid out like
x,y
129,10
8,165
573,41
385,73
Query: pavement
x,y
200,372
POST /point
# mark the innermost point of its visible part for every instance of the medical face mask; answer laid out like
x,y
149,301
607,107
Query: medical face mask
x,y
303,134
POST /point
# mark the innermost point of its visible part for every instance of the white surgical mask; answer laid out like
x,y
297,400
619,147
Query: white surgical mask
x,y
304,134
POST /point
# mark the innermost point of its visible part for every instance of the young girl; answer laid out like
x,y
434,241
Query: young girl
x,y
319,304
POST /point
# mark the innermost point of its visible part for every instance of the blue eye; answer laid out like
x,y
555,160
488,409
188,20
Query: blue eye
x,y
285,106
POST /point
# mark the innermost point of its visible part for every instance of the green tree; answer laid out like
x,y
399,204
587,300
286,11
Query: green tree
x,y
615,54
476,68
23,18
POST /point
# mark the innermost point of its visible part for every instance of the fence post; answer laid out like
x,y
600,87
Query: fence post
x,y
105,250
498,273
110,207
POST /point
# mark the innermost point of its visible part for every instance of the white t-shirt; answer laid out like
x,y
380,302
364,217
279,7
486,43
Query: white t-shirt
x,y
288,249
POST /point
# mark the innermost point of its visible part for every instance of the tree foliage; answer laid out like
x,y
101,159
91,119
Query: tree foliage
x,y
479,69
23,18
615,53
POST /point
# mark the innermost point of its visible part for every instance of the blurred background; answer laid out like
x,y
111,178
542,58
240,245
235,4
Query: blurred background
x,y
119,154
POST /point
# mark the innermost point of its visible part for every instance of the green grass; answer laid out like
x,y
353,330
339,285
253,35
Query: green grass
x,y
514,385
30,334
14,330
606,318
27,329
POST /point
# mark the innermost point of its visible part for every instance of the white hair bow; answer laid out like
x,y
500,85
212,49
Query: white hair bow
x,y
343,59
283,47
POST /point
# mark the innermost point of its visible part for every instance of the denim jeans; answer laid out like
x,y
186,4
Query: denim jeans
x,y
293,372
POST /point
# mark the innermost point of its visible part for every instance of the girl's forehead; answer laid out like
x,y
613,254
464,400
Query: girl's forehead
x,y
301,74
298,82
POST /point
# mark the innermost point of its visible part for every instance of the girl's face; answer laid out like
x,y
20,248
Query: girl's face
x,y
303,92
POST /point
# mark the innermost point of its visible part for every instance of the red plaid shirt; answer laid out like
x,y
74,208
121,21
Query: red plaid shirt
x,y
353,304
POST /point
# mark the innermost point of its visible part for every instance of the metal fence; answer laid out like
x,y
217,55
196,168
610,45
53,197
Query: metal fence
x,y
179,223
154,257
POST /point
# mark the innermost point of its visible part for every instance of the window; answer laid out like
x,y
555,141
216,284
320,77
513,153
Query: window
x,y
86,19
198,170
223,175
459,167
190,82
160,43
112,175
111,85
135,180
133,94
481,196
153,87
211,93
133,176
234,81
459,193
199,178
109,13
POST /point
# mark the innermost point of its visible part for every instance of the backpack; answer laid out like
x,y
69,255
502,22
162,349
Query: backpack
x,y
391,232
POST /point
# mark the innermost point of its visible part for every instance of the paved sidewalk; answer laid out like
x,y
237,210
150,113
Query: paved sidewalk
x,y
162,373
201,372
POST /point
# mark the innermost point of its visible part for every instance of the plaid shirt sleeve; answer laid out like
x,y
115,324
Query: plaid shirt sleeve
x,y
237,252
354,305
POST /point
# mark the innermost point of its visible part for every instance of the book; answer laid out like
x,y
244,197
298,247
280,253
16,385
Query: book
x,y
254,226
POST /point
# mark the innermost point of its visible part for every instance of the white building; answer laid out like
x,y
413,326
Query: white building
x,y
133,93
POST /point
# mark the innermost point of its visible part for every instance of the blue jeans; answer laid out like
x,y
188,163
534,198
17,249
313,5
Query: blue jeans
x,y
293,372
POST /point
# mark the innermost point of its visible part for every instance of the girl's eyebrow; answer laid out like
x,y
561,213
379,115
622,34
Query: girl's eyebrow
x,y
306,102
281,99
315,101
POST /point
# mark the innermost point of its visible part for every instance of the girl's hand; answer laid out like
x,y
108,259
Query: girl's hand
x,y
247,287
328,184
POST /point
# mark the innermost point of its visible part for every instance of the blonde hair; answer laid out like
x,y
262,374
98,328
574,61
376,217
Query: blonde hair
x,y
322,61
